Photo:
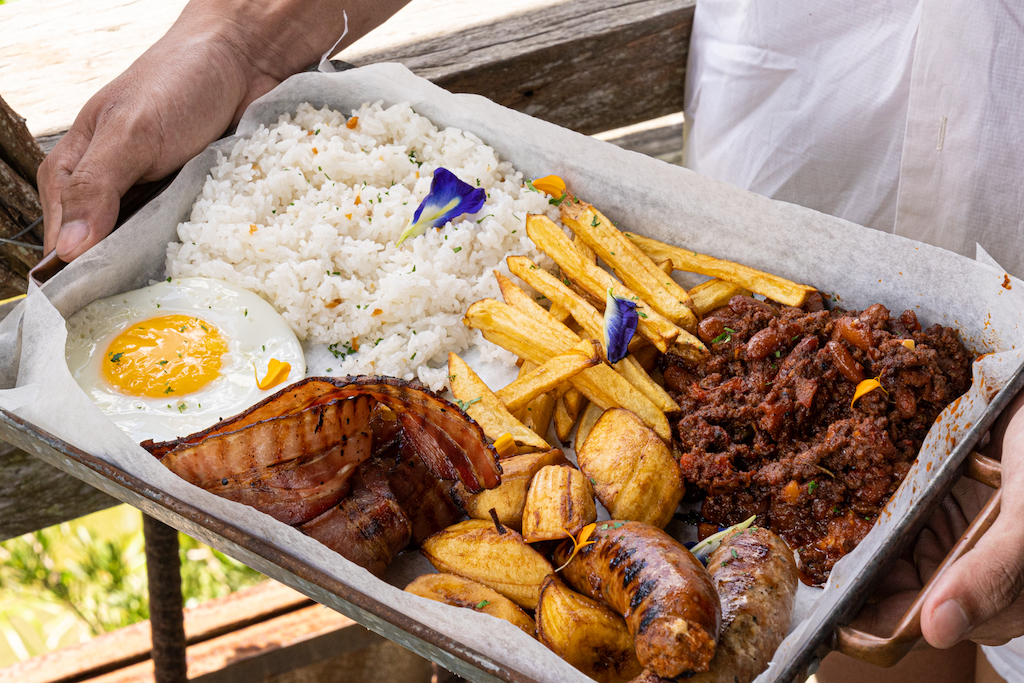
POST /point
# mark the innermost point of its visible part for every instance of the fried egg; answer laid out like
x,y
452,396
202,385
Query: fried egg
x,y
173,358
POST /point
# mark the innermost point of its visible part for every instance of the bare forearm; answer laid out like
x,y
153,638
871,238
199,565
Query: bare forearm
x,y
282,37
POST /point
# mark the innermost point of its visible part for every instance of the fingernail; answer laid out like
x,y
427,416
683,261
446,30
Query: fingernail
x,y
951,624
71,235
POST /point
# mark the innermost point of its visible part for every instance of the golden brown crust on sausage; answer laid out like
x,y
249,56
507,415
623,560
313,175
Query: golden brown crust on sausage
x,y
662,590
756,576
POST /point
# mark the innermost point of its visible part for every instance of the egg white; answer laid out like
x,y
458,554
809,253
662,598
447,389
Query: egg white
x,y
253,330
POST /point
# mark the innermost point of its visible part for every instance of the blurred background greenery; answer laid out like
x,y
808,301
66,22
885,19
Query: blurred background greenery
x,y
70,582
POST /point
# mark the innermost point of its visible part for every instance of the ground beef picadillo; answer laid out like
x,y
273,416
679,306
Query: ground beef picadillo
x,y
767,427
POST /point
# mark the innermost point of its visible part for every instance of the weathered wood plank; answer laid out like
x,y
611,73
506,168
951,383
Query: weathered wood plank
x,y
589,64
34,495
130,645
17,146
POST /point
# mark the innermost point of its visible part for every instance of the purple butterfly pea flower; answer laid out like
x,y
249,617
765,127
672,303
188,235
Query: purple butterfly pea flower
x,y
620,321
448,198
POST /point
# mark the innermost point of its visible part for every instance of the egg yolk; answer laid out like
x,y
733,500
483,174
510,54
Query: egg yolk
x,y
172,355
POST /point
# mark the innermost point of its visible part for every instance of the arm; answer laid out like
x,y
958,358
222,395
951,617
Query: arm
x,y
179,96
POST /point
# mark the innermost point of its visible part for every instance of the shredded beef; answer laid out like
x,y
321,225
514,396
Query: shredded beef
x,y
767,427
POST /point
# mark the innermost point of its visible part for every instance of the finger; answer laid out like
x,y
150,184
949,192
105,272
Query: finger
x,y
989,578
53,175
119,153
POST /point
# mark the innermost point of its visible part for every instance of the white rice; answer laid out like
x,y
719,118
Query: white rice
x,y
307,212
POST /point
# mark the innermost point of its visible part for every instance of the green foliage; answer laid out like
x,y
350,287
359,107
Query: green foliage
x,y
70,582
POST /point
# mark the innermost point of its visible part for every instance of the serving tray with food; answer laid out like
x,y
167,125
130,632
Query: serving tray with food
x,y
380,309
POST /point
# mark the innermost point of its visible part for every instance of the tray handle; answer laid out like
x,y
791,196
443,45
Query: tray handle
x,y
887,651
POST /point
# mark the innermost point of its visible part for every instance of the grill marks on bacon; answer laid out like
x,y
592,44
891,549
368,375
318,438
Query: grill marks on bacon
x,y
292,467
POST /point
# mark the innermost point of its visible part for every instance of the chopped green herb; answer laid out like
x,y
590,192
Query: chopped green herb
x,y
245,313
482,604
329,370
558,201
181,407
413,357
168,279
735,554
617,525
778,353
724,337
168,390
457,249
568,283
642,314
604,527
530,187
116,357
465,404
811,487
490,215
596,222
163,362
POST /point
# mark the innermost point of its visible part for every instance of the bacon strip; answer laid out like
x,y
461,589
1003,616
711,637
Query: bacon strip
x,y
459,447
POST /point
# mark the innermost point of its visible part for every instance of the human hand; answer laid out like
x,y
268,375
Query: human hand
x,y
978,597
173,101
179,96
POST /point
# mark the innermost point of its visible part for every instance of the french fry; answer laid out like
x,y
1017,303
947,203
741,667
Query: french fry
x,y
537,338
667,267
538,412
585,251
646,355
630,368
631,265
559,293
771,286
590,417
550,375
563,421
715,293
482,405
654,327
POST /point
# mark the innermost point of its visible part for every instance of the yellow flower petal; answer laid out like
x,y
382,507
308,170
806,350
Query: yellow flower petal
x,y
580,543
909,343
865,387
550,184
505,445
277,372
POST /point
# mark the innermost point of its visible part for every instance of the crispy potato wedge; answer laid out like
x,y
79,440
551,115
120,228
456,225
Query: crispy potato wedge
x,y
508,498
563,421
772,286
631,265
574,403
634,474
462,592
538,412
715,293
667,267
486,408
539,337
585,633
550,375
476,550
587,421
653,326
560,500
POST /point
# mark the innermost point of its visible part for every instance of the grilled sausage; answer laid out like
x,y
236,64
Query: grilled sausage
x,y
756,577
662,590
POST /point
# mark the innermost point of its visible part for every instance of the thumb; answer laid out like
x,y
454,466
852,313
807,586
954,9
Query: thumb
x,y
989,578
115,159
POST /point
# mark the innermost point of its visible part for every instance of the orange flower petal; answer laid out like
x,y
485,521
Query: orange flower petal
x,y
505,445
909,343
579,544
550,184
866,387
277,372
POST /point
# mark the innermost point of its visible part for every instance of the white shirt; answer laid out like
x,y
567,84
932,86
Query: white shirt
x,y
901,115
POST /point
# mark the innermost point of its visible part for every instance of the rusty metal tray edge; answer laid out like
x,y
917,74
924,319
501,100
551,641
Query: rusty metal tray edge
x,y
257,553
